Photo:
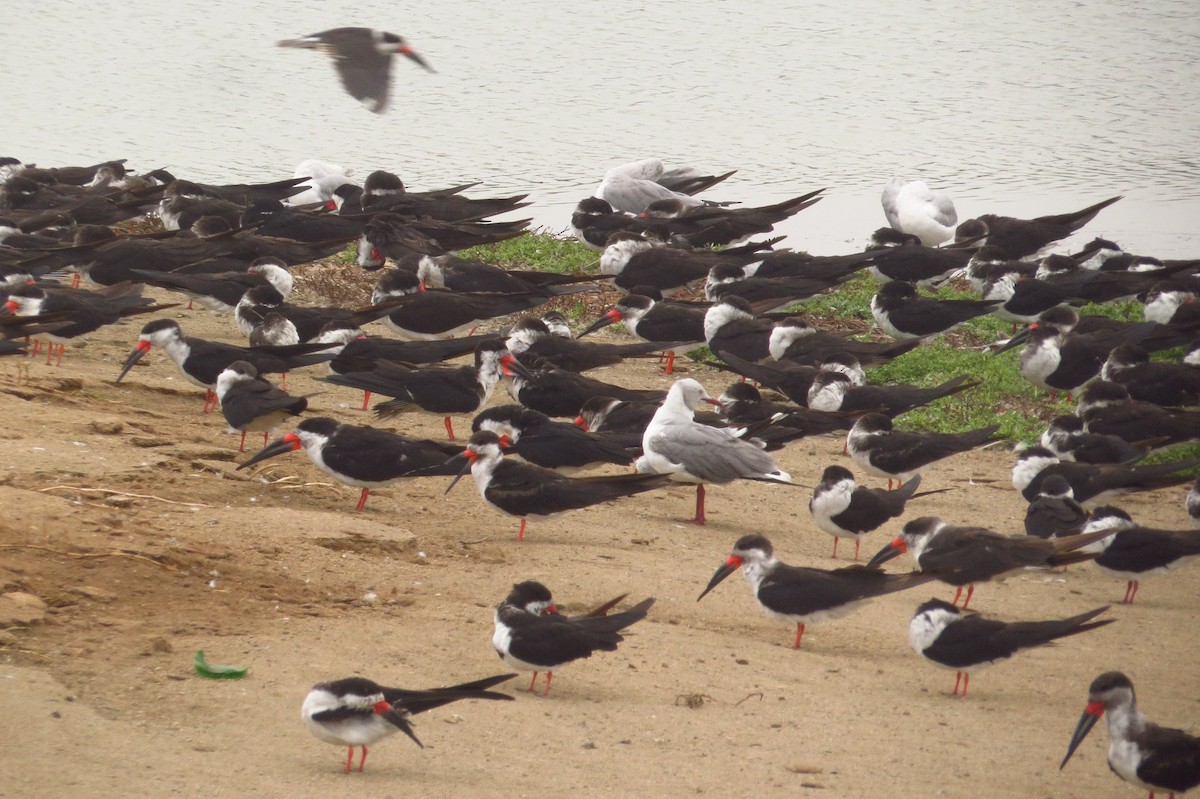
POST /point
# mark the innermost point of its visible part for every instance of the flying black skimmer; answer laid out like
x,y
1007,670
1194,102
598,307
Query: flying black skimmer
x,y
432,314
363,60
524,490
881,450
1134,552
633,186
896,256
1019,238
903,314
1093,484
530,340
845,509
1054,512
945,636
794,339
1154,758
84,311
561,446
661,323
963,556
675,444
531,635
251,404
912,207
358,712
1066,438
444,390
1160,382
803,595
363,457
203,361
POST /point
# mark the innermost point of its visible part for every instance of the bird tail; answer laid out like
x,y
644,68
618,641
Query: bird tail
x,y
1043,632
1078,219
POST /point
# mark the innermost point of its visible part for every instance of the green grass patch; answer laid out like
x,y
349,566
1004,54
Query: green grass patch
x,y
540,251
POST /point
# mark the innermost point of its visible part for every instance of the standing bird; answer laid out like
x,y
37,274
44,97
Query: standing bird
x,y
675,444
847,510
531,635
1054,511
945,636
357,712
902,313
912,207
883,451
251,404
804,595
1140,752
362,58
522,489
963,556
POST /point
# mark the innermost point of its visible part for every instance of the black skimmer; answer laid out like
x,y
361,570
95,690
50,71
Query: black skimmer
x,y
912,207
633,186
772,293
834,391
594,222
661,323
945,636
901,257
554,445
1107,409
794,339
743,404
1094,483
273,218
731,326
363,60
1168,302
803,595
557,392
786,263
239,193
881,450
251,404
385,192
531,635
444,390
1160,382
363,457
1019,238
1154,758
222,291
711,225
845,509
203,361
789,378
522,489
675,444
1056,358
459,274
1054,511
636,261
358,712
1134,552
398,235
436,313
530,341
626,416
306,322
84,311
902,313
962,556
1066,438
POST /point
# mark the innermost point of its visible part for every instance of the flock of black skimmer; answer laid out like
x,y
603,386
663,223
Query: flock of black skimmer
x,y
231,247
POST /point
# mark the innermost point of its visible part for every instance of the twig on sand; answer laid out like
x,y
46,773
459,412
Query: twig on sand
x,y
747,696
122,494
115,553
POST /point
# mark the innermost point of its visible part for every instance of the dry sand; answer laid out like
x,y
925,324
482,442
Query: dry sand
x,y
107,596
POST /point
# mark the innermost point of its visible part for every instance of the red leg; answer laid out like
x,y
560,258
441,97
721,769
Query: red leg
x,y
835,543
75,280
699,517
957,679
670,362
449,428
957,594
532,682
1136,585
1128,590
966,681
264,438
889,484
799,635
242,446
349,758
549,677
283,385
189,305
521,531
856,543
362,500
970,591
363,762
366,399
210,401
49,352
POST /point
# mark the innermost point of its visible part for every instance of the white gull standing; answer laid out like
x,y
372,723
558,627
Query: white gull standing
x,y
912,207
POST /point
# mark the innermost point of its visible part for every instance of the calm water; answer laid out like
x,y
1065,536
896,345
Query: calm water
x,y
1023,107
